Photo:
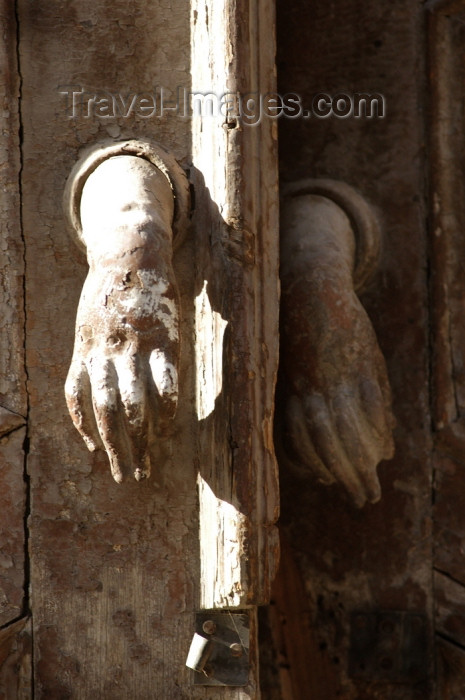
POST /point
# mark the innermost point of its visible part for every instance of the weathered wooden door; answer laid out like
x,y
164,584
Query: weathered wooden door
x,y
100,581
376,596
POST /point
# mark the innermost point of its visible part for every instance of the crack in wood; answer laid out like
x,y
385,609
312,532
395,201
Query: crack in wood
x,y
10,421
450,640
449,576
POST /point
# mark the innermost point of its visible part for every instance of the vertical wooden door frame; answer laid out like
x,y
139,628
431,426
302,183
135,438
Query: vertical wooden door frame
x,y
15,639
235,177
447,248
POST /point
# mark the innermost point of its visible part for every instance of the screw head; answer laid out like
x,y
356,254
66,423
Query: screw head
x,y
236,650
209,627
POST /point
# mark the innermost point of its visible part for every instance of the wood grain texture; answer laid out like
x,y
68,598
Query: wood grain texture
x,y
305,669
13,403
450,608
447,189
12,527
15,661
378,558
449,503
451,670
12,376
235,178
115,569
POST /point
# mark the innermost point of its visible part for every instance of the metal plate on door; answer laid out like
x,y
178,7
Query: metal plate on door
x,y
388,645
219,652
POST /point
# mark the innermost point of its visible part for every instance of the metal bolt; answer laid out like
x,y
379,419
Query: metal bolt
x,y
209,627
236,650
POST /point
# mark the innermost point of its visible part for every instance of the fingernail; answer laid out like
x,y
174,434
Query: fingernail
x,y
116,472
91,446
140,474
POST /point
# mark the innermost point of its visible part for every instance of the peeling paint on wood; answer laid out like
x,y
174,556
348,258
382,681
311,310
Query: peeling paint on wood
x,y
236,216
115,571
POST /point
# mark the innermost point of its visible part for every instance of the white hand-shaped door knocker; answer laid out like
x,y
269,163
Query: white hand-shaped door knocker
x,y
128,205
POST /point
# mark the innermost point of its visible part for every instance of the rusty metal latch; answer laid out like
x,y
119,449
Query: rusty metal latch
x,y
219,651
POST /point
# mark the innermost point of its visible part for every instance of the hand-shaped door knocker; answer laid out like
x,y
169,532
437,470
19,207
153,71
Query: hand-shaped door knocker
x,y
127,203
335,418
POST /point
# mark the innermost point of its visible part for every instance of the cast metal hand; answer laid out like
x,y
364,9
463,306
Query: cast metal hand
x,y
337,413
122,385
